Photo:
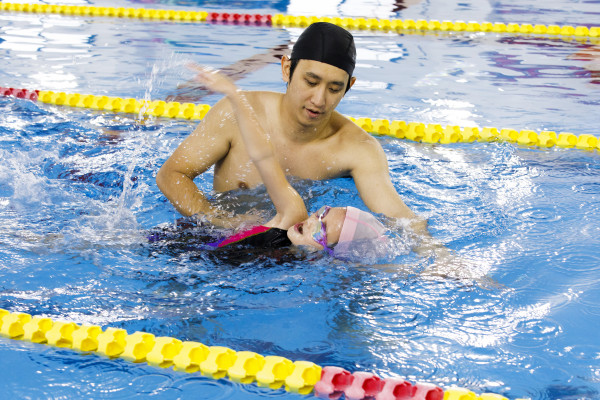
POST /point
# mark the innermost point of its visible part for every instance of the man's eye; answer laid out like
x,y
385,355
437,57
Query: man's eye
x,y
334,90
311,83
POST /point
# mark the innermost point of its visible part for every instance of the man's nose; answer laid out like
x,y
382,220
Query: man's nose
x,y
318,96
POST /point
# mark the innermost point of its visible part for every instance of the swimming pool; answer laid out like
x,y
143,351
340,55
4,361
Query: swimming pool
x,y
78,194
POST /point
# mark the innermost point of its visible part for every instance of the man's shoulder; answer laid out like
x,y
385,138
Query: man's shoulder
x,y
262,96
261,101
349,132
354,145
255,97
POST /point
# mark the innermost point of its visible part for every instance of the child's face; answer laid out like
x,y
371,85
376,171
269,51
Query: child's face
x,y
326,224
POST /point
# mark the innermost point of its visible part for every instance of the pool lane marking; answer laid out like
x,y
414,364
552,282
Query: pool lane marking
x,y
413,131
386,25
217,362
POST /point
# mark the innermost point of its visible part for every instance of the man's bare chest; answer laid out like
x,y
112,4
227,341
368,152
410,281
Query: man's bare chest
x,y
306,162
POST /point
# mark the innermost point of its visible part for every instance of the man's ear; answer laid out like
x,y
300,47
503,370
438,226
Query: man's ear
x,y
286,64
352,80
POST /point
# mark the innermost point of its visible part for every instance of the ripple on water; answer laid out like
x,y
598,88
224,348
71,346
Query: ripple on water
x,y
319,347
544,214
541,369
590,188
538,221
577,257
566,164
393,319
26,375
422,360
590,299
535,332
252,391
107,378
584,352
153,383
200,387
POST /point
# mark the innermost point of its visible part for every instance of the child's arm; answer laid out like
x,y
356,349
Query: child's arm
x,y
288,203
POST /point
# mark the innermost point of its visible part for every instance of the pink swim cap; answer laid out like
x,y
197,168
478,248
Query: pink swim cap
x,y
360,225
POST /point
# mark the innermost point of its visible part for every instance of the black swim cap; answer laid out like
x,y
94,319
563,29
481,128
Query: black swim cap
x,y
326,43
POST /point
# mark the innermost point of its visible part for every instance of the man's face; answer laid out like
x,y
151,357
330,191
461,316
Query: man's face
x,y
315,90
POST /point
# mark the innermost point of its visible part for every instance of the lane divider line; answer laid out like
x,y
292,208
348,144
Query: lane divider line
x,y
413,131
386,25
217,362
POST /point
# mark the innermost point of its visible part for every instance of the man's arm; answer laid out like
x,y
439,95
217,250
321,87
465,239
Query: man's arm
x,y
372,179
208,144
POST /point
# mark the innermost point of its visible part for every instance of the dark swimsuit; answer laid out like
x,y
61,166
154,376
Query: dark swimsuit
x,y
258,245
257,236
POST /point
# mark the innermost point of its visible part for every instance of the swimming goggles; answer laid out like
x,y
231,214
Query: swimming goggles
x,y
320,234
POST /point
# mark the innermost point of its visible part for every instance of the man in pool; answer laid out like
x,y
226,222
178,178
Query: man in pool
x,y
311,139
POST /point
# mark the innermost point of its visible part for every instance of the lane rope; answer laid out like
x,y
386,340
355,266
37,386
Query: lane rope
x,y
217,362
413,131
386,25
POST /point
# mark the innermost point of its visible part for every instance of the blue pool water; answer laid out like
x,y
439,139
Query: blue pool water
x,y
518,316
